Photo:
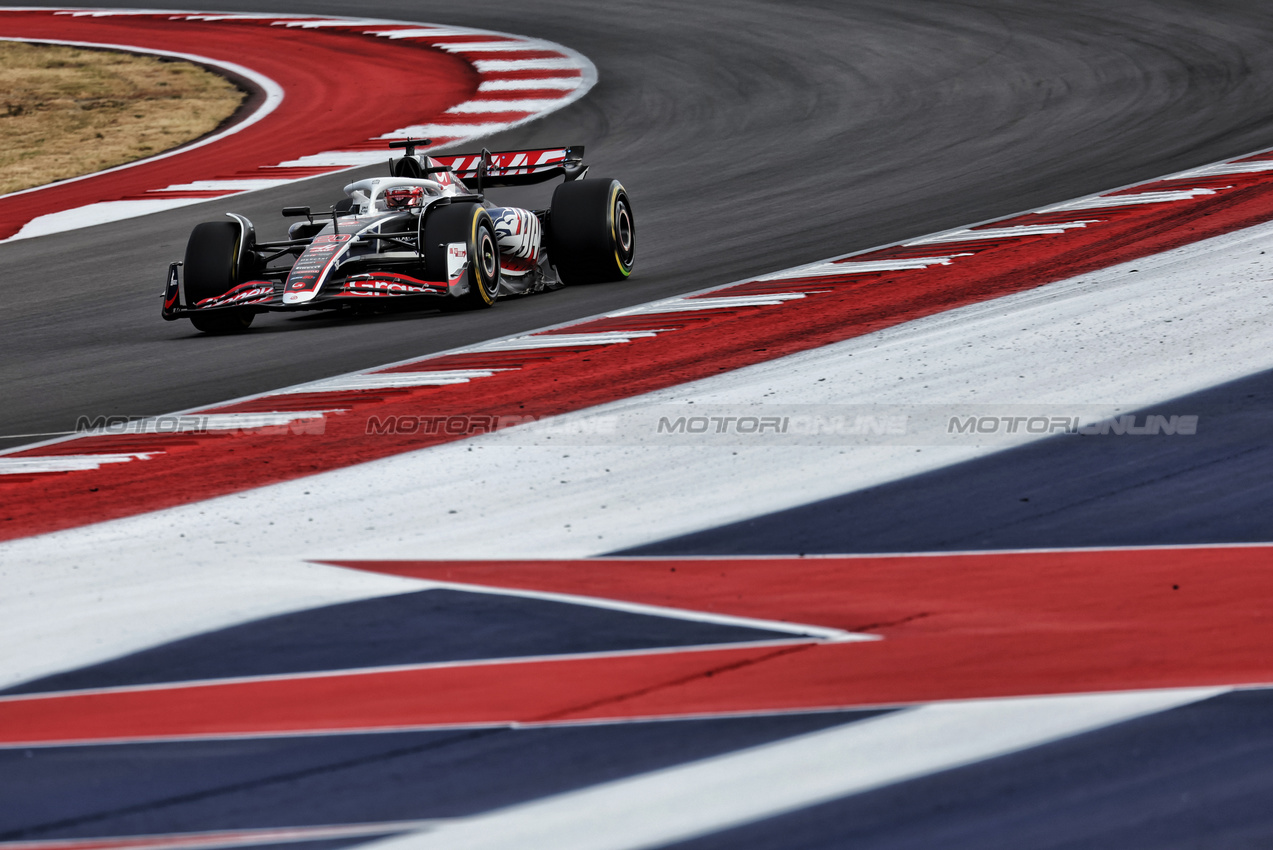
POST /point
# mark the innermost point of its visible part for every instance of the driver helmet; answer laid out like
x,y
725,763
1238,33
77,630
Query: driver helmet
x,y
401,197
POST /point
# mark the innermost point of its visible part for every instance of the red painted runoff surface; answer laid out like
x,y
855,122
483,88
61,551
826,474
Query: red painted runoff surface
x,y
953,627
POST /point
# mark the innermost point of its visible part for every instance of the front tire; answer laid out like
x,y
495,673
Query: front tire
x,y
593,231
472,225
229,321
212,268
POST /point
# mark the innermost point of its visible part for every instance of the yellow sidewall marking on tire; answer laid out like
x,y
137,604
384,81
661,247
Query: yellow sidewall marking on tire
x,y
624,270
477,266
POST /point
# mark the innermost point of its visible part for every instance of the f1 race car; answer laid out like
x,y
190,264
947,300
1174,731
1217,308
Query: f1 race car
x,y
420,237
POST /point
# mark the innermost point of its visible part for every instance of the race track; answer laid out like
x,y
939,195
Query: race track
x,y
323,630
873,121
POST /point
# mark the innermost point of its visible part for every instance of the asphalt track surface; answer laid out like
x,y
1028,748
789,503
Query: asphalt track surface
x,y
752,137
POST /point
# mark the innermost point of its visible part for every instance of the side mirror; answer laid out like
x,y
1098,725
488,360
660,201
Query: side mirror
x,y
296,212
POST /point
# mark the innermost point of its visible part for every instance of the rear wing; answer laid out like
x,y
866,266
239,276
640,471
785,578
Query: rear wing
x,y
487,170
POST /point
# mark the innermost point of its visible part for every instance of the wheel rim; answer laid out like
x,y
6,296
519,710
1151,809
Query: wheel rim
x,y
624,231
488,257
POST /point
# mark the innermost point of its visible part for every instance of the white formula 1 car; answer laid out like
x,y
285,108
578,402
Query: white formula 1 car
x,y
423,236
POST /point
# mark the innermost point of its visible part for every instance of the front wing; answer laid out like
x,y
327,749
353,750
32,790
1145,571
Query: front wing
x,y
376,286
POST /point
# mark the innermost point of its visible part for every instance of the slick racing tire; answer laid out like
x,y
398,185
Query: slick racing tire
x,y
593,231
471,225
231,320
211,269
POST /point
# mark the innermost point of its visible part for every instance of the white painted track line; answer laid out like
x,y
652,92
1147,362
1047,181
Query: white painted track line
x,y
803,629
392,380
64,463
692,305
564,83
556,340
1011,232
860,267
480,106
1223,168
1110,201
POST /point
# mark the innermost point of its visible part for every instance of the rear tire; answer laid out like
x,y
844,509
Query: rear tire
x,y
472,225
212,269
593,231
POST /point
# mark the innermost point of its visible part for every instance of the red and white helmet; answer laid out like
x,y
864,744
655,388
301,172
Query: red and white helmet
x,y
401,197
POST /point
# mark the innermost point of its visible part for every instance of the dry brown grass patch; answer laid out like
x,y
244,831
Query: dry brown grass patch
x,y
66,111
